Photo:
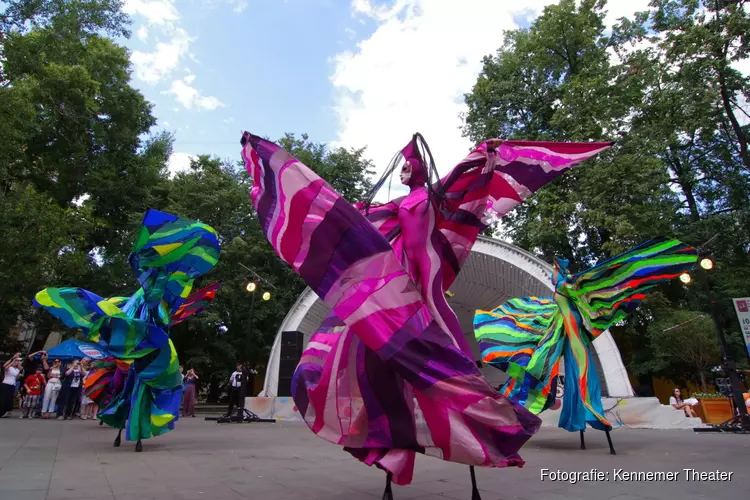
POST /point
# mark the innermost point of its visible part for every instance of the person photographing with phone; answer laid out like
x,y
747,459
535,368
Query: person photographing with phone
x,y
12,373
189,394
72,386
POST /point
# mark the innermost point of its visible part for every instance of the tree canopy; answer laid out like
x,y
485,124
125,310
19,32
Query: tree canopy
x,y
662,87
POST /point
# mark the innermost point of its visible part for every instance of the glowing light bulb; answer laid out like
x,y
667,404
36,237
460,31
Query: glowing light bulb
x,y
707,264
266,295
685,278
251,287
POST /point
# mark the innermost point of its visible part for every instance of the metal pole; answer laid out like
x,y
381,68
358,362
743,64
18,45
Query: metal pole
x,y
250,331
730,367
243,386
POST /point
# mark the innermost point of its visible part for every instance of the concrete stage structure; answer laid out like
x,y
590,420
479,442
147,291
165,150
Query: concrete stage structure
x,y
494,272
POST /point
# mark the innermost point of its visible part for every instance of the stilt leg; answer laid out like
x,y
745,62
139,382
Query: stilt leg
x,y
611,448
583,443
474,491
101,422
117,439
138,446
388,493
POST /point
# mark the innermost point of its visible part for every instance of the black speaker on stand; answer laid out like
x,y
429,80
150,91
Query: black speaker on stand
x,y
289,356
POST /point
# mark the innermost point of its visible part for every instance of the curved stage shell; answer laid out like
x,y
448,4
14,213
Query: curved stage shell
x,y
494,272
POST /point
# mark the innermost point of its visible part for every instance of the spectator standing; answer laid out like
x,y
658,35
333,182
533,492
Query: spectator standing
x,y
235,383
33,386
52,389
8,387
31,363
188,400
31,368
78,408
88,406
74,381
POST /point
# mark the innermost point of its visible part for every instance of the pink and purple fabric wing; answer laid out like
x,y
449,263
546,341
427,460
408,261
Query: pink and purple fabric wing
x,y
353,268
480,191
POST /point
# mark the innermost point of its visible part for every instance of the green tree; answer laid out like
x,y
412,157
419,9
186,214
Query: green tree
x,y
554,81
74,168
676,168
684,338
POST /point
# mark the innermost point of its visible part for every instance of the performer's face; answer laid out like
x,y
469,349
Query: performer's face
x,y
406,173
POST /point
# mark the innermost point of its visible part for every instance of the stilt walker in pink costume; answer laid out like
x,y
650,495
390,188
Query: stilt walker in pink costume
x,y
389,373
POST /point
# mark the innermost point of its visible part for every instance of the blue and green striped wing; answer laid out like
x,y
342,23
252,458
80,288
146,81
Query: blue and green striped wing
x,y
169,254
610,291
523,337
78,308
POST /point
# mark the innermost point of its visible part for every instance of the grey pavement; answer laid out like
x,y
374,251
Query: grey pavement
x,y
57,460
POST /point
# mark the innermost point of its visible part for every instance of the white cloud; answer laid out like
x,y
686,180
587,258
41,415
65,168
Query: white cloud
x,y
412,73
238,5
617,9
179,162
152,67
161,12
190,97
142,33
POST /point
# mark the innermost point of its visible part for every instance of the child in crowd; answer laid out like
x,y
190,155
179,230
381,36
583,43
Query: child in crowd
x,y
33,386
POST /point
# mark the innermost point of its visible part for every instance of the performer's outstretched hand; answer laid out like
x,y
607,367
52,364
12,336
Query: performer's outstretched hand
x,y
494,143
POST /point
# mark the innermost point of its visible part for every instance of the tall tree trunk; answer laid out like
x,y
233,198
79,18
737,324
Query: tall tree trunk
x,y
736,127
682,179
704,384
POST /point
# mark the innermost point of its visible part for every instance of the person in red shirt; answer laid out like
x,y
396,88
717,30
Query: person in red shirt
x,y
34,384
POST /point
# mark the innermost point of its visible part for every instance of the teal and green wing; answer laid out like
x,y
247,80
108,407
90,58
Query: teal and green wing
x,y
170,252
524,338
78,308
610,291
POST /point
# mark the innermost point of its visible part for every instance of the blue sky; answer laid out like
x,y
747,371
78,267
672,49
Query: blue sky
x,y
266,69
347,72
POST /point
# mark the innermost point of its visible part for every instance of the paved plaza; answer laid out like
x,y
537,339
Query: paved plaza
x,y
56,460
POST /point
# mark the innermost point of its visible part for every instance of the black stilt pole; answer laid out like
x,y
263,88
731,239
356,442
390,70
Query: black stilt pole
x,y
117,439
609,440
388,493
138,446
474,490
583,443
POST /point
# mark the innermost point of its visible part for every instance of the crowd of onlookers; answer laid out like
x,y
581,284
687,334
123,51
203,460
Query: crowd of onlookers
x,y
41,390
46,389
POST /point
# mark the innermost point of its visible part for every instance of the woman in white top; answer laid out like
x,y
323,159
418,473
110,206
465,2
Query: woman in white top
x,y
8,387
678,404
52,389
